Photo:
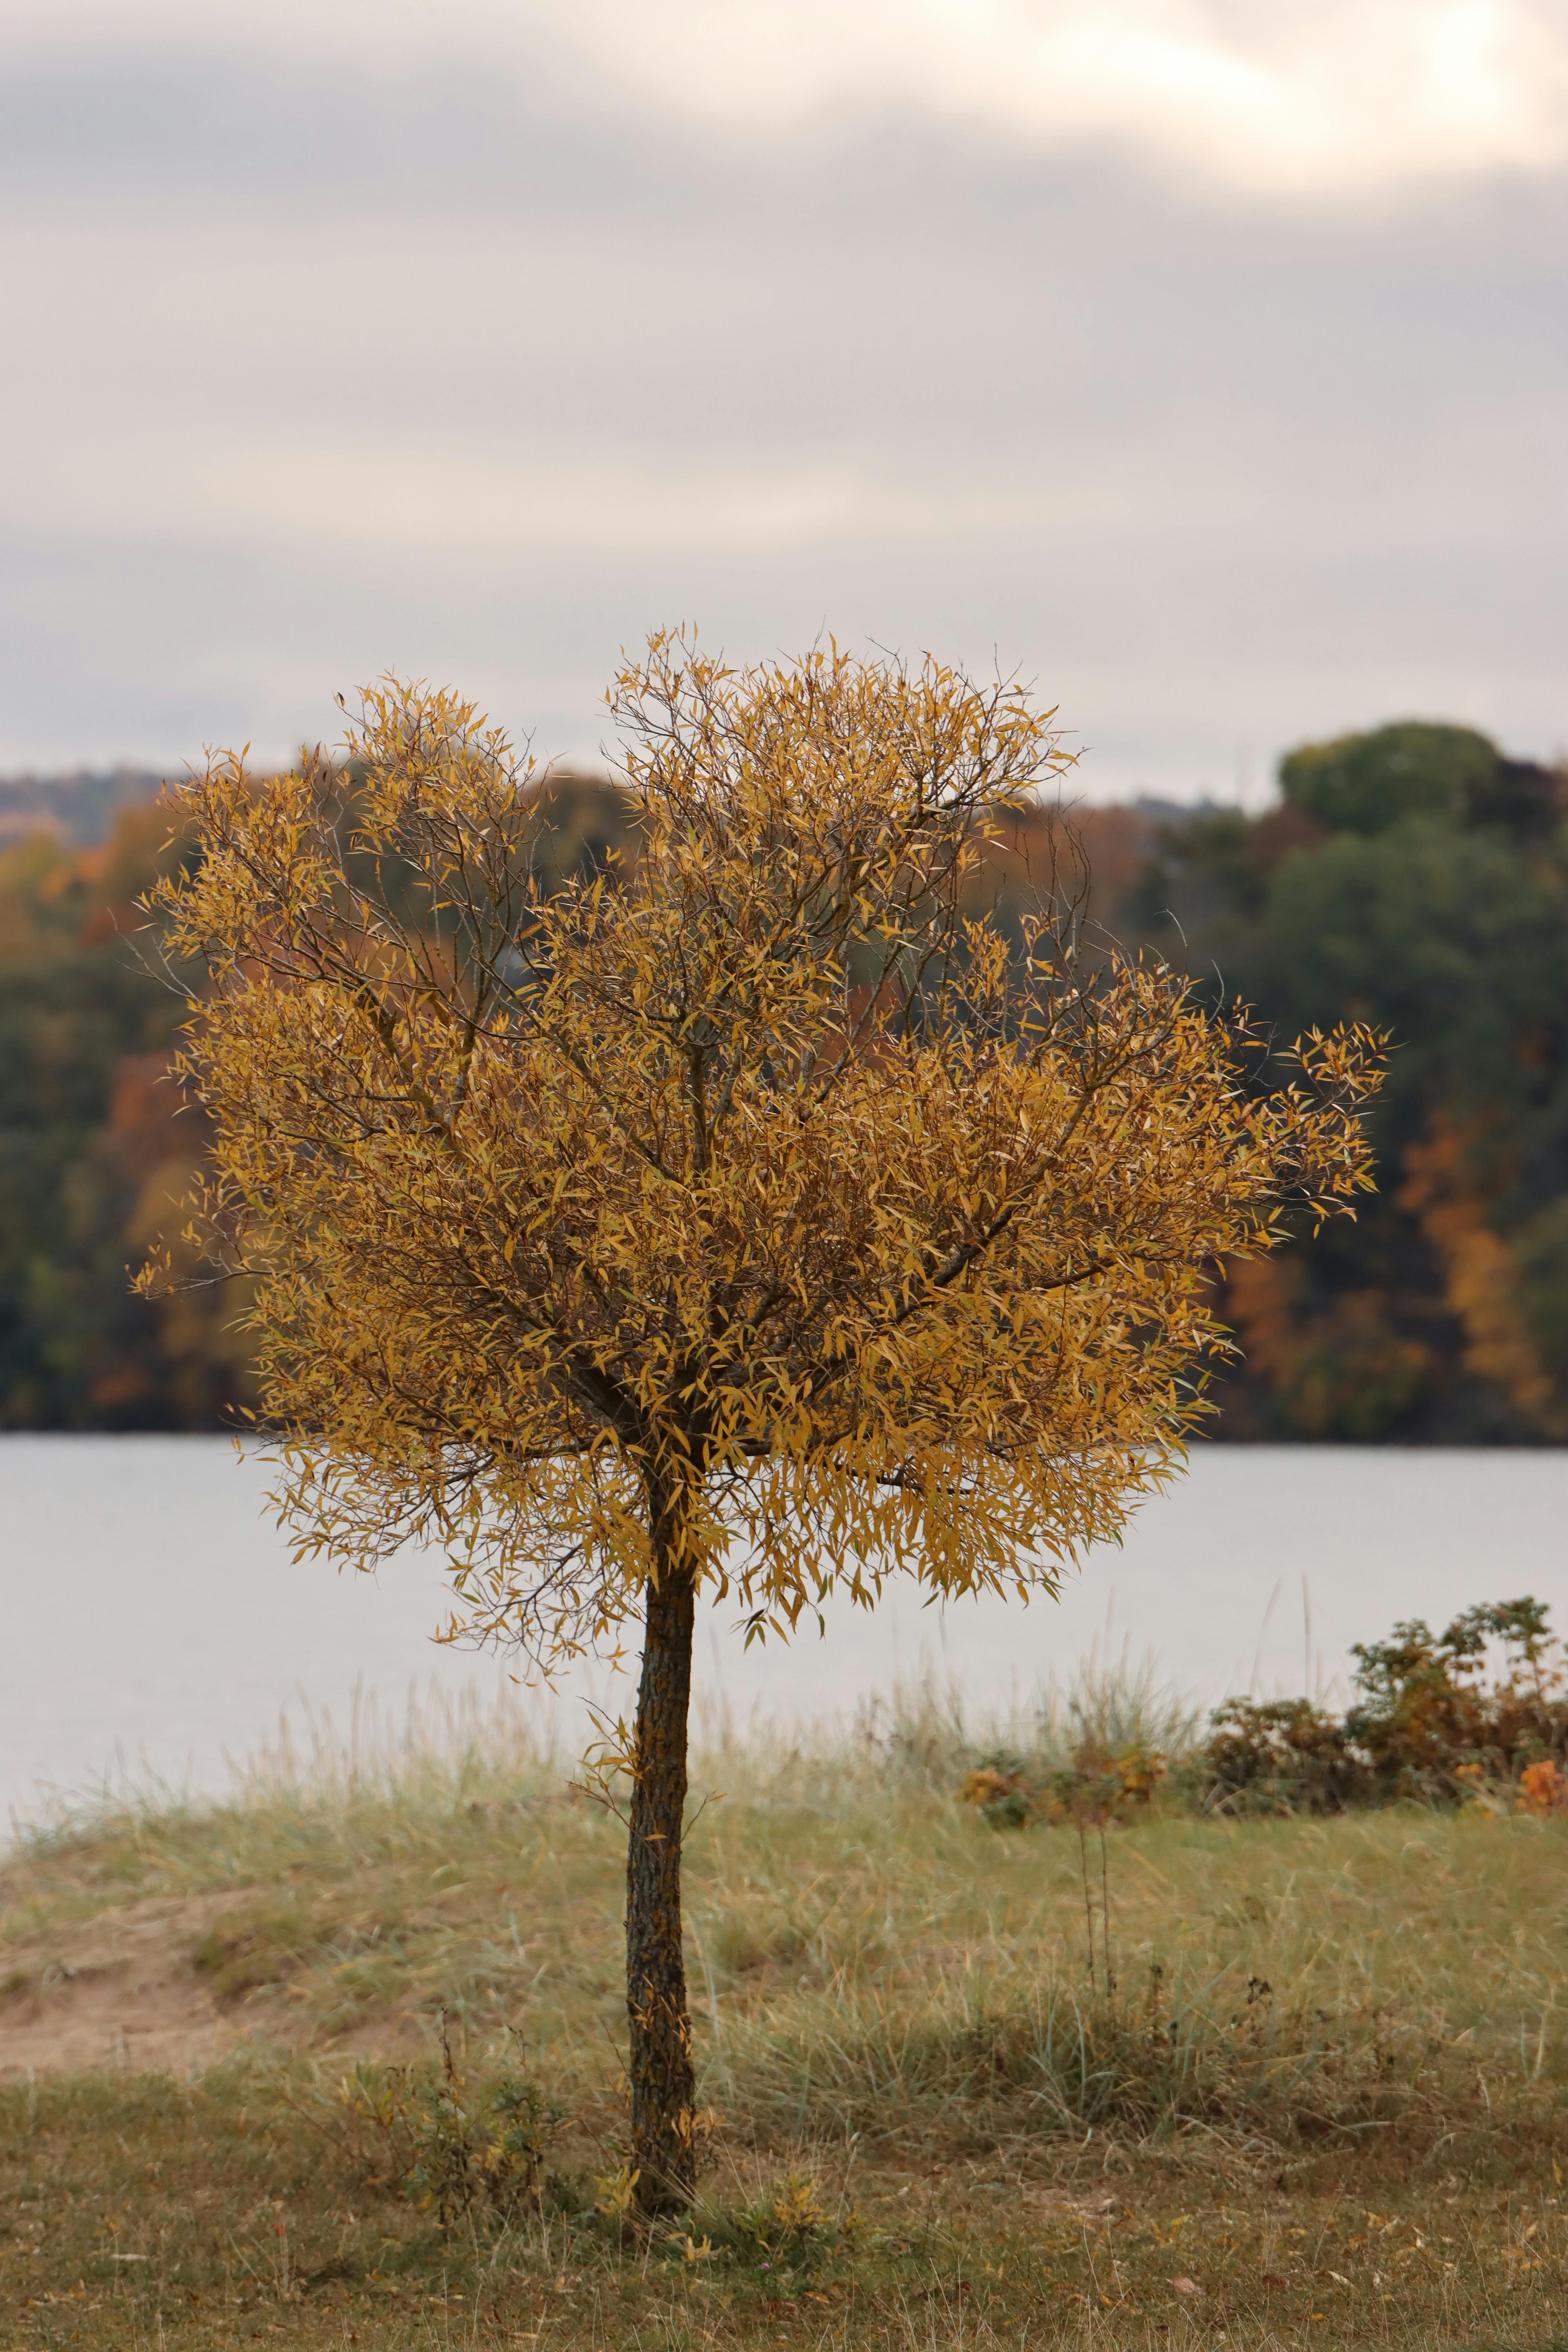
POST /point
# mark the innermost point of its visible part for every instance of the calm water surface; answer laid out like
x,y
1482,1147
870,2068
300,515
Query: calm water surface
x,y
155,1625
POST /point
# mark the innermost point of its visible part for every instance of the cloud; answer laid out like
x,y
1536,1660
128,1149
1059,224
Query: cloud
x,y
380,495
1306,98
1328,96
476,340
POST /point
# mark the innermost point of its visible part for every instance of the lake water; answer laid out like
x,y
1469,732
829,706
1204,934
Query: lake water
x,y
156,1626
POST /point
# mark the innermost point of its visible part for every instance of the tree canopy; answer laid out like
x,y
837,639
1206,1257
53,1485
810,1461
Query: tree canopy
x,y
750,1161
1431,901
1361,783
747,1215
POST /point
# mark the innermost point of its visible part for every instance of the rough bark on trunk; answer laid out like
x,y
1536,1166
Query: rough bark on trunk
x,y
662,2080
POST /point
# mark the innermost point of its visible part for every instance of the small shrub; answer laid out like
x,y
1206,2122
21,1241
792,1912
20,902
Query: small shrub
x,y
1543,1788
1092,1788
615,2192
454,2146
787,2232
1140,1769
1424,1709
1281,1756
1098,1785
999,1788
1426,1724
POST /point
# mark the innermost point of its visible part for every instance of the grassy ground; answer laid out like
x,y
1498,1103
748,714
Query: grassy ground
x,y
1322,2101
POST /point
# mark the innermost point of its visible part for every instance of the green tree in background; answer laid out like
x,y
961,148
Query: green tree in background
x,y
1415,878
1363,784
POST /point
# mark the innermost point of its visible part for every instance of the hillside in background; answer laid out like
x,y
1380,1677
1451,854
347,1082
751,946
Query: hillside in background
x,y
80,807
1413,878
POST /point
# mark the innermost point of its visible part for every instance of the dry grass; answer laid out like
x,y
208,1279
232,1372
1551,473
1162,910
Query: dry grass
x,y
1328,2092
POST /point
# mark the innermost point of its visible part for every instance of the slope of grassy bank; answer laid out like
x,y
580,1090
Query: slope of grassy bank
x,y
1319,2096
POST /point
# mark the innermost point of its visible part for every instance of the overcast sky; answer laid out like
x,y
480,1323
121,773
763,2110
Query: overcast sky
x,y
1207,360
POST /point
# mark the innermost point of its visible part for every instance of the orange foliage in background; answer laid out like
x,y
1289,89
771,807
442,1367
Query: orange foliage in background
x,y
1443,1190
1545,1789
1342,1369
98,1146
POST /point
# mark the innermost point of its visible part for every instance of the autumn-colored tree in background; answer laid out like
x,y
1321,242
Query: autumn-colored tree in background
x,y
95,1151
742,1218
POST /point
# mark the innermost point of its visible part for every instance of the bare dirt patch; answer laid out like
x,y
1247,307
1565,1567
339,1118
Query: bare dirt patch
x,y
121,1990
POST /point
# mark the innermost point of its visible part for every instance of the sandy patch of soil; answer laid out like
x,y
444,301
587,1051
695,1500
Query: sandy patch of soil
x,y
122,1989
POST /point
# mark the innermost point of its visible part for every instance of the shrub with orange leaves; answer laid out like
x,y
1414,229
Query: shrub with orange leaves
x,y
1543,1788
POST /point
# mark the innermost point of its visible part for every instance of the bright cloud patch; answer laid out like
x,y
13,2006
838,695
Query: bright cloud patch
x,y
1314,97
1305,97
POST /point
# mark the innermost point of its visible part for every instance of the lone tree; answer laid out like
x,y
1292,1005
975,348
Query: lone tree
x,y
752,1216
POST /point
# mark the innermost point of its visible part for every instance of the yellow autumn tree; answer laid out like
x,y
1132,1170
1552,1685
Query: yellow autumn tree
x,y
743,1219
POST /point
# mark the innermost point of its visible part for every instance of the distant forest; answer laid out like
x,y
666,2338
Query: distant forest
x,y
1413,877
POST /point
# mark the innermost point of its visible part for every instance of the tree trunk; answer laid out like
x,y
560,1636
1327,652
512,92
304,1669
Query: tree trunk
x,y
663,2085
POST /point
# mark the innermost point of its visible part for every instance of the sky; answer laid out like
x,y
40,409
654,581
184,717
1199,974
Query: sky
x,y
1204,360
